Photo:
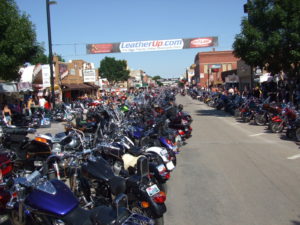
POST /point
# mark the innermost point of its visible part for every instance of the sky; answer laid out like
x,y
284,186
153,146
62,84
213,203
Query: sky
x,y
75,23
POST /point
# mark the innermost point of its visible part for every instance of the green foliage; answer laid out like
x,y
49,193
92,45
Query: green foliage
x,y
157,77
60,58
114,70
17,40
40,57
270,36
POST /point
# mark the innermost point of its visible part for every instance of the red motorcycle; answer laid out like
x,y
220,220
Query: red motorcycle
x,y
279,122
6,167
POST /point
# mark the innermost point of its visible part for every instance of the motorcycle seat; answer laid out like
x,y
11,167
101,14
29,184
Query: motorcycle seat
x,y
135,151
101,170
105,215
117,185
100,215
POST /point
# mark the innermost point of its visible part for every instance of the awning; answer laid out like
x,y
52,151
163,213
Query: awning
x,y
233,78
71,87
94,86
8,87
24,86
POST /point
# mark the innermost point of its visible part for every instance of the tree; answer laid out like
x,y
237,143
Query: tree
x,y
113,70
270,36
157,78
17,40
40,57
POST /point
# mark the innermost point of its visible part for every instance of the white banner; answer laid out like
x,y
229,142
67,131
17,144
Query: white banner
x,y
144,46
89,75
46,76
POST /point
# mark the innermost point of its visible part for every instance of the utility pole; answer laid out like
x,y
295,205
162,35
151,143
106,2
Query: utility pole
x,y
50,52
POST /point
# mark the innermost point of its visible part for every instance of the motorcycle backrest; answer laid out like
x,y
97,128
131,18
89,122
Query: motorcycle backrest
x,y
142,167
121,200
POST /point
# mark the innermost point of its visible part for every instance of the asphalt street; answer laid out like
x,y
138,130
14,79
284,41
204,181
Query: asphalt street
x,y
233,173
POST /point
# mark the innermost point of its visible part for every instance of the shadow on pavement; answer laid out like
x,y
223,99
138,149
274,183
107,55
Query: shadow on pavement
x,y
293,222
211,112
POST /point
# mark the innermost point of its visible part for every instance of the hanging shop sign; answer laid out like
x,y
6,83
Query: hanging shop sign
x,y
46,76
154,45
63,70
89,75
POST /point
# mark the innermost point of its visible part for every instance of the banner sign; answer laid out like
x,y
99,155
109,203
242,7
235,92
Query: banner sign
x,y
89,75
156,45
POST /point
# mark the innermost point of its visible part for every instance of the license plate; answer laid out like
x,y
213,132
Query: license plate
x,y
164,152
38,163
170,165
152,190
161,168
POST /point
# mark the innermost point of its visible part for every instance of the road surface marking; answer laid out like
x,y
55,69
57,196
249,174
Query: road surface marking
x,y
294,156
254,135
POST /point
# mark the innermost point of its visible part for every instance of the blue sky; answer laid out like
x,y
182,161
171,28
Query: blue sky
x,y
83,22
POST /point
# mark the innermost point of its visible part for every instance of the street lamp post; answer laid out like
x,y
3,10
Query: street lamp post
x,y
50,51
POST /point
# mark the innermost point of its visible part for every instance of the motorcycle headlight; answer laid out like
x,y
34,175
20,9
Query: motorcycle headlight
x,y
56,148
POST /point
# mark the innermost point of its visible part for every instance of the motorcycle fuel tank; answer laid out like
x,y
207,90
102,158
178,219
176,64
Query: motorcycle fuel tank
x,y
60,201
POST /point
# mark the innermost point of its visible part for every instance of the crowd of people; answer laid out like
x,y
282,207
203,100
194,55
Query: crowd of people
x,y
29,103
277,92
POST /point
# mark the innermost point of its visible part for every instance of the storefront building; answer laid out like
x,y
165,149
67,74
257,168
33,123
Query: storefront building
x,y
210,65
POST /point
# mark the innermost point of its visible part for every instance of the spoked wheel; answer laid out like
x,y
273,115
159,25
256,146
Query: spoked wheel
x,y
70,117
259,120
237,113
276,127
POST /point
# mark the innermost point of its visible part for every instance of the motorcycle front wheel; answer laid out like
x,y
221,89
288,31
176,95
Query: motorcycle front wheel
x,y
70,117
297,134
276,127
259,120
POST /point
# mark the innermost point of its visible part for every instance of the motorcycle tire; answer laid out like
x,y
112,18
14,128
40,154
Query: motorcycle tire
x,y
270,125
237,113
246,119
159,221
146,212
297,134
290,134
276,128
70,117
259,120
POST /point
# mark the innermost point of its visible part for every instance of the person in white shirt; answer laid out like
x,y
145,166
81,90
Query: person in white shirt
x,y
42,102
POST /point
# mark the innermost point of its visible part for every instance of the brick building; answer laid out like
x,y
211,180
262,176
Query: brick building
x,y
75,78
210,65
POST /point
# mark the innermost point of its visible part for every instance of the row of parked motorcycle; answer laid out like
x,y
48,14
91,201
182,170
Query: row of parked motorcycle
x,y
112,168
42,118
278,117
